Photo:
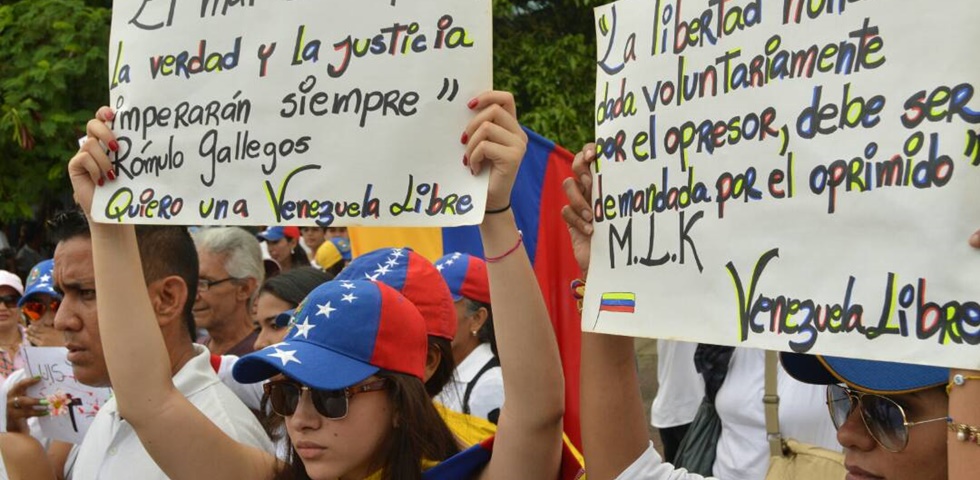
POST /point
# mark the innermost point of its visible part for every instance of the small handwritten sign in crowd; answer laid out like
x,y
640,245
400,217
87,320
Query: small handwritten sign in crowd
x,y
799,175
72,405
295,112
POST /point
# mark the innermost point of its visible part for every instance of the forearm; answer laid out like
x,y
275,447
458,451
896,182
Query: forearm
x,y
135,354
964,408
613,421
526,341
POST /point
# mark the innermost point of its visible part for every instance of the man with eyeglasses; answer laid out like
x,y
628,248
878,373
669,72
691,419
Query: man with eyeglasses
x,y
111,449
231,272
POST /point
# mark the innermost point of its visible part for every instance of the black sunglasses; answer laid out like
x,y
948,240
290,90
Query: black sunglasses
x,y
284,397
10,300
884,419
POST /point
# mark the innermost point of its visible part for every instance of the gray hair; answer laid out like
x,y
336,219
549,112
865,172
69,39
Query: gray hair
x,y
243,256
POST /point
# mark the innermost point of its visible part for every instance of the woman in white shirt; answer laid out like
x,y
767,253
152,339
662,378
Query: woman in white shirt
x,y
477,385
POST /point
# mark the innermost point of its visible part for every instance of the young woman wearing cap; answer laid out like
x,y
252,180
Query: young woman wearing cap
x,y
477,386
284,248
185,445
280,293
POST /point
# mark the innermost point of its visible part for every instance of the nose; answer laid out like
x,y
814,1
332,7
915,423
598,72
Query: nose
x,y
64,319
305,417
854,435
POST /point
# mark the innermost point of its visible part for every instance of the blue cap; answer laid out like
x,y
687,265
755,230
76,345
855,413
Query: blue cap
x,y
870,376
40,281
466,276
274,234
343,245
342,333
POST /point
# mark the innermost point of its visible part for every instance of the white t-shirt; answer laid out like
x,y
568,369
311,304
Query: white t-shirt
x,y
111,449
488,392
743,448
680,387
649,466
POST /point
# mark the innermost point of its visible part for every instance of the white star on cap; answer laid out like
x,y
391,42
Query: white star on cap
x,y
349,298
382,270
373,278
286,356
347,285
440,267
45,278
392,262
397,253
304,328
449,262
457,255
325,310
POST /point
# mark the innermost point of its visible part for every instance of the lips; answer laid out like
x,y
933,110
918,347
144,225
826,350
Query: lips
x,y
307,450
857,473
76,352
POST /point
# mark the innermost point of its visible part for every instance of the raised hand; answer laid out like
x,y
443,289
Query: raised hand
x,y
495,140
90,167
578,213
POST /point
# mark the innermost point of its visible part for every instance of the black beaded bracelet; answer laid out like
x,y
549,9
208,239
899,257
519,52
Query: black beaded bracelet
x,y
499,210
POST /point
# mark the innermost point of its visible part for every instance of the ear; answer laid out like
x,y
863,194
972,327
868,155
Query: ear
x,y
168,297
432,359
477,319
246,287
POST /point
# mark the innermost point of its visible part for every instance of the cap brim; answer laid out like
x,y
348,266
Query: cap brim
x,y
866,375
271,238
40,291
314,366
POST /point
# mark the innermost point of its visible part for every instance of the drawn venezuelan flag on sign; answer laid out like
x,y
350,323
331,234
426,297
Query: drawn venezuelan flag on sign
x,y
537,199
624,302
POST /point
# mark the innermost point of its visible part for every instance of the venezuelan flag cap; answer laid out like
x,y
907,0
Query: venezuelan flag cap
x,y
413,276
343,332
466,276
869,376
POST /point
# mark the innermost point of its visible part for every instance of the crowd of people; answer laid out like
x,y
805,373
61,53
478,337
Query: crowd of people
x,y
276,355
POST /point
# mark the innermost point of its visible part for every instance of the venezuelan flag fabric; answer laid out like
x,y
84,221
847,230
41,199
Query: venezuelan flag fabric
x,y
537,199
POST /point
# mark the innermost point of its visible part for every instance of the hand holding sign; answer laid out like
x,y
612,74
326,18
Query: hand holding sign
x,y
90,167
21,406
578,213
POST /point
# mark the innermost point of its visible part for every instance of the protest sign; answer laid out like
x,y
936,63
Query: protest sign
x,y
73,405
797,175
295,112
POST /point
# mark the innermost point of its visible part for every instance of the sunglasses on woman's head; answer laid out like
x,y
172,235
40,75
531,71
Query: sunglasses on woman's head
x,y
884,419
284,397
35,309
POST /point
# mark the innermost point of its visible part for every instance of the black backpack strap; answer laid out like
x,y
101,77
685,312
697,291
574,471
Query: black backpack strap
x,y
494,362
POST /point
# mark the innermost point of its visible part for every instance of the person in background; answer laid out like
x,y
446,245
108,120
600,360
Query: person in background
x,y
29,251
283,246
12,334
311,238
477,386
231,271
333,255
335,232
281,294
679,392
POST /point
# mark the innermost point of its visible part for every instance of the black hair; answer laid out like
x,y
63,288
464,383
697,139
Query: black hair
x,y
447,365
486,332
164,251
294,285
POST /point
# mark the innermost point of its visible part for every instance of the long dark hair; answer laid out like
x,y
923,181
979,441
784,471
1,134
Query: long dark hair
x,y
419,434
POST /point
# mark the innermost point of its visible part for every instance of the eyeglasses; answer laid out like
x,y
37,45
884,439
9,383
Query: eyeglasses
x,y
884,419
35,309
10,300
204,284
284,397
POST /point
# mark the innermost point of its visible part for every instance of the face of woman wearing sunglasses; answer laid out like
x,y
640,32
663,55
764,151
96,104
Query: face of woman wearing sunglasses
x,y
924,455
346,448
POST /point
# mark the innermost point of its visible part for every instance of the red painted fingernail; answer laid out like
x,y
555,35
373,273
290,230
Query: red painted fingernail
x,y
113,145
101,181
111,175
466,160
472,104
111,115
464,138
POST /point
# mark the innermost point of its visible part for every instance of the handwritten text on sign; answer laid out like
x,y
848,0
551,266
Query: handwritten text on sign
x,y
73,406
295,112
789,174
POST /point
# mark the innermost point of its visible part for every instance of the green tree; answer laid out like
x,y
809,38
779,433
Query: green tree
x,y
53,75
544,52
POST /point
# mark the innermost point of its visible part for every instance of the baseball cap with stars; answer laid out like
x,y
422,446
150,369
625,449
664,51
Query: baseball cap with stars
x,y
40,281
342,333
413,276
